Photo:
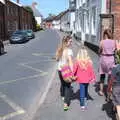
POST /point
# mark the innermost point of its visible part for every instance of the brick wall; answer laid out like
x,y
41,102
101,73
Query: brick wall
x,y
115,9
2,25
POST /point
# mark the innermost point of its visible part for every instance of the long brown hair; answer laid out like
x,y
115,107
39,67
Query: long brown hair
x,y
62,46
107,33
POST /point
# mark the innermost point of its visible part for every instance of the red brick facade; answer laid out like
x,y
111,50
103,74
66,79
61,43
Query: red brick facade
x,y
25,19
2,25
115,10
13,17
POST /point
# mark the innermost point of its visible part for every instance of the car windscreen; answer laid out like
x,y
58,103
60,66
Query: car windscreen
x,y
19,33
29,31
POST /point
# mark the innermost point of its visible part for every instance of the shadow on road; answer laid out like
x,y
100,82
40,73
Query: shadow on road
x,y
76,95
108,108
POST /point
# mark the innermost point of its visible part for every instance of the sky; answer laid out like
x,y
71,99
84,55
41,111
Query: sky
x,y
48,6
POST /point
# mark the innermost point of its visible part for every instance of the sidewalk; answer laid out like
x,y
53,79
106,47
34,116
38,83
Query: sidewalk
x,y
52,109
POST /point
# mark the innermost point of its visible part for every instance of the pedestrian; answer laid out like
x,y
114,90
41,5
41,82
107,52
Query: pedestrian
x,y
107,60
117,52
64,56
83,70
115,87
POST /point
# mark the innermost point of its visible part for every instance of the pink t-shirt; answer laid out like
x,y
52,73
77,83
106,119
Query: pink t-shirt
x,y
84,75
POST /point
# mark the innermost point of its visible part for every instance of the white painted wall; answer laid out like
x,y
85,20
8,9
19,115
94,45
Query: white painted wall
x,y
72,19
39,20
65,19
87,20
56,24
103,6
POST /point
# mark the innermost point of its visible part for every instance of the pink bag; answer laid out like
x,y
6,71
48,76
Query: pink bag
x,y
67,74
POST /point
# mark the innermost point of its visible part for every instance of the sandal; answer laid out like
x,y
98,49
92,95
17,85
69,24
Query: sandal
x,y
66,108
100,93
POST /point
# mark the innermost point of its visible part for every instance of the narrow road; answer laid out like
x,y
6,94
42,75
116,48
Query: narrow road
x,y
25,74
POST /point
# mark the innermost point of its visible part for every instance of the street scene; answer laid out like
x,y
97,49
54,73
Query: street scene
x,y
59,63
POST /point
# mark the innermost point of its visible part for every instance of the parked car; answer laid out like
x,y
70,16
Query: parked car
x,y
2,51
30,34
19,36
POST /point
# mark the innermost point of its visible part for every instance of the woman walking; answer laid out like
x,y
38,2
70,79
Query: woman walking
x,y
106,50
64,56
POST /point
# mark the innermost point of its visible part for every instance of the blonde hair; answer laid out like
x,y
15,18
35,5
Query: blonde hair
x,y
83,58
62,46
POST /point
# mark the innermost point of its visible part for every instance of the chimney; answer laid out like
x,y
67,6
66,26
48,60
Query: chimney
x,y
34,4
18,1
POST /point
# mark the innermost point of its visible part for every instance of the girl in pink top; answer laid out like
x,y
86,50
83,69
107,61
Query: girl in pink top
x,y
83,70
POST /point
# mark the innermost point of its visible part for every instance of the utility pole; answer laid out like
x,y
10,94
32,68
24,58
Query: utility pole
x,y
110,6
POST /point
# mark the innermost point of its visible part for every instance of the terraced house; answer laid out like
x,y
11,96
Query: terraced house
x,y
13,16
93,16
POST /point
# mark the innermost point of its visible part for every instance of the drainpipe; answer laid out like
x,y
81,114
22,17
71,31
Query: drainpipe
x,y
110,6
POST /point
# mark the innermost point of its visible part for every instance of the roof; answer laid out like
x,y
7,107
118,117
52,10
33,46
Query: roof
x,y
36,12
49,19
16,3
57,17
61,14
2,1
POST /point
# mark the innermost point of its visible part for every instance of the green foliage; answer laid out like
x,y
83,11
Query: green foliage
x,y
117,57
38,28
29,9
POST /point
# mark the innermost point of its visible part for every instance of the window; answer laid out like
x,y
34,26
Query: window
x,y
87,22
8,10
94,20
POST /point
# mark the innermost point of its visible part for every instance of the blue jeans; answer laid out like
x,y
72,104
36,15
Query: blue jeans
x,y
83,93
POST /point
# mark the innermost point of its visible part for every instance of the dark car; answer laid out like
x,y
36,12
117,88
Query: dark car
x,y
30,34
19,36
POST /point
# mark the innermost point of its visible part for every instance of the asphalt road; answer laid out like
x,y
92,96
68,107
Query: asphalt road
x,y
26,71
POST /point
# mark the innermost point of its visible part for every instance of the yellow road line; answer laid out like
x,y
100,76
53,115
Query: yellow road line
x,y
32,68
10,115
14,106
10,103
43,54
23,78
38,61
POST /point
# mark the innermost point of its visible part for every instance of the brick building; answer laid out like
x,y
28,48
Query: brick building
x,y
13,16
25,19
2,25
115,10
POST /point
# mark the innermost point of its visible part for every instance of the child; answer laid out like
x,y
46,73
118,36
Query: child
x,y
114,85
83,70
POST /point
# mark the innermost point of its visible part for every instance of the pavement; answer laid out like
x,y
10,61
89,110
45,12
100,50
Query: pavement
x,y
97,107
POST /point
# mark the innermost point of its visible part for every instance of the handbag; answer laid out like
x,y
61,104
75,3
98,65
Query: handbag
x,y
117,57
67,74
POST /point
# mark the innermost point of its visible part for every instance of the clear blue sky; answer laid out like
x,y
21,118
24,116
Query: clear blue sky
x,y
48,6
